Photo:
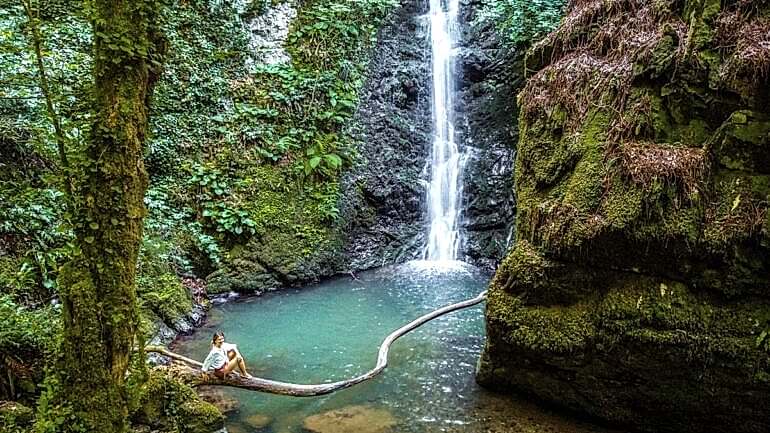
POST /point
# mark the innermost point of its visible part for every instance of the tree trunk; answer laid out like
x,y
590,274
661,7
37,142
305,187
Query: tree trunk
x,y
98,285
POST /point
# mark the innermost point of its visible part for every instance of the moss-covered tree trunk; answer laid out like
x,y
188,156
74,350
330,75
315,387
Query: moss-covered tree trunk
x,y
98,285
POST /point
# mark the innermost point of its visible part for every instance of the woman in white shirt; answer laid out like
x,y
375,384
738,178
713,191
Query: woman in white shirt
x,y
223,358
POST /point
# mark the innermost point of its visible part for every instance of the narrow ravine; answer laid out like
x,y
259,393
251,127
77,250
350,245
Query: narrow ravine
x,y
331,331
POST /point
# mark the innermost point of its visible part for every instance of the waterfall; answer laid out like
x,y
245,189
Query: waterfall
x,y
446,160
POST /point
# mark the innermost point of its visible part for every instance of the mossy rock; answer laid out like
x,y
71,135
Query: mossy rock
x,y
15,417
258,421
169,405
647,352
241,275
639,288
743,142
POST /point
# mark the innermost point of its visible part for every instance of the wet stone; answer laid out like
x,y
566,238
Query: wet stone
x,y
258,421
218,398
351,419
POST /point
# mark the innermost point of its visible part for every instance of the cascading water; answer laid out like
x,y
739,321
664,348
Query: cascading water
x,y
446,160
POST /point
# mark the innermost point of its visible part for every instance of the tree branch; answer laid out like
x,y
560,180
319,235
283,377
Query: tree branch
x,y
45,88
196,377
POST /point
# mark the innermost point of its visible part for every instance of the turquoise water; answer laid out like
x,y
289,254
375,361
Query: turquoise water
x,y
332,331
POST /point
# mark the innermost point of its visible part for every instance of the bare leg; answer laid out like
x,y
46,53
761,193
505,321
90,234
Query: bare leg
x,y
230,366
242,367
233,355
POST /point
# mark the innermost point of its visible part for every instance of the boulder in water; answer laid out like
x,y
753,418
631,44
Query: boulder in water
x,y
236,428
351,419
219,399
258,421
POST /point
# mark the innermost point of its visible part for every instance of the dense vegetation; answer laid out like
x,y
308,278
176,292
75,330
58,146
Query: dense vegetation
x,y
238,149
522,22
144,166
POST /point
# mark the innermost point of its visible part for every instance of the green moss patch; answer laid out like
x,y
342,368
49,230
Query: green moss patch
x,y
164,403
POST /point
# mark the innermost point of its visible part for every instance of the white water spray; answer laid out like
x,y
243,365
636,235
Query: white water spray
x,y
446,160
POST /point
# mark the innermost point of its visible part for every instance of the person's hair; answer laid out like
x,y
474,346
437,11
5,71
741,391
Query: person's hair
x,y
217,334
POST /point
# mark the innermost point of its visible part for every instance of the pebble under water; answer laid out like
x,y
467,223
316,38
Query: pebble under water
x,y
332,331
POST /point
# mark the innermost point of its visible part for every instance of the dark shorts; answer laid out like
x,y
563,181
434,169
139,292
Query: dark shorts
x,y
220,372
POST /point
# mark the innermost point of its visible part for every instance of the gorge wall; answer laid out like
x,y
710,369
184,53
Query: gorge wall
x,y
489,74
638,290
379,198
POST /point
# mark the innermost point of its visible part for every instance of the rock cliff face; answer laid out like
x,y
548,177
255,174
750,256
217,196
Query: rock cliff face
x,y
384,195
377,202
639,287
489,73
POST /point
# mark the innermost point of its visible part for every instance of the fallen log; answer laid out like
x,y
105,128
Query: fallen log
x,y
188,373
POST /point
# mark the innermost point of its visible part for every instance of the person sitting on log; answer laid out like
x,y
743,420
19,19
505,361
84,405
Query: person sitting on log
x,y
223,358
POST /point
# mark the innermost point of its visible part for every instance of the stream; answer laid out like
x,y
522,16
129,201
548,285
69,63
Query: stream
x,y
332,331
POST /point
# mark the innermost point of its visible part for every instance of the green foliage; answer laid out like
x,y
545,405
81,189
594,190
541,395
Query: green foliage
x,y
328,197
32,217
28,331
331,35
15,417
66,51
53,414
207,48
289,118
29,341
219,207
522,22
159,289
169,220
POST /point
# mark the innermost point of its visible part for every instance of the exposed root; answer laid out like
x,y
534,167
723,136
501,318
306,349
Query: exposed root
x,y
645,163
572,84
743,220
748,41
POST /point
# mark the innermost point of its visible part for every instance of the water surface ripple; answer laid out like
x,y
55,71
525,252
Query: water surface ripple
x,y
331,331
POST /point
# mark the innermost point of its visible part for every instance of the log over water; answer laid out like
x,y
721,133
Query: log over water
x,y
195,377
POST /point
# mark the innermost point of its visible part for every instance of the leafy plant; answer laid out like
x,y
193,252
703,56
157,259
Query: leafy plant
x,y
320,162
327,199
34,218
522,22
225,219
214,193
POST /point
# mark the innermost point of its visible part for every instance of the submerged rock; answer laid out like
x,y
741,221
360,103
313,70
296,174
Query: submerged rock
x,y
638,290
236,428
218,398
351,419
258,421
